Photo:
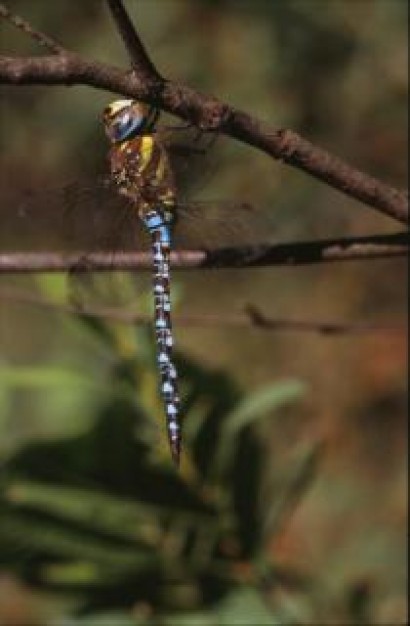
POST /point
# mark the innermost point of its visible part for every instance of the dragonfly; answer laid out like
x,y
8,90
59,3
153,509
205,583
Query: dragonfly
x,y
143,189
141,170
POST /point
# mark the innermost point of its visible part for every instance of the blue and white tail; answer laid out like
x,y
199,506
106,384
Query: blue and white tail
x,y
159,224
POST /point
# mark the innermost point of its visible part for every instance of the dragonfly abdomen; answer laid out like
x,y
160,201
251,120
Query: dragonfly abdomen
x,y
160,232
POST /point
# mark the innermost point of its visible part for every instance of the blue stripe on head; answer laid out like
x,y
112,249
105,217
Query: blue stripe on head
x,y
126,126
134,126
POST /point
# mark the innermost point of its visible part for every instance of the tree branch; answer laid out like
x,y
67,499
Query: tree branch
x,y
286,254
206,112
137,53
251,318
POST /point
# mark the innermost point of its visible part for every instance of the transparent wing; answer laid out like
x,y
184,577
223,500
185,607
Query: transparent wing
x,y
75,216
86,218
193,156
94,217
213,224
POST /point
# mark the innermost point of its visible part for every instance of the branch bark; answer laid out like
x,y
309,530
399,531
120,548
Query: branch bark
x,y
206,112
291,254
252,317
139,58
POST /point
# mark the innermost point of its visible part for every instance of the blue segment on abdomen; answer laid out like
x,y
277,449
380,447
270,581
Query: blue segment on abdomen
x,y
165,234
155,222
160,230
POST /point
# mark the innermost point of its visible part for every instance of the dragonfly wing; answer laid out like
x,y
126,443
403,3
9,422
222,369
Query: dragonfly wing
x,y
194,160
76,216
95,217
212,224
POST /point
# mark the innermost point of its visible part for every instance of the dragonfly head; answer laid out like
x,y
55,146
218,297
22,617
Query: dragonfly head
x,y
124,119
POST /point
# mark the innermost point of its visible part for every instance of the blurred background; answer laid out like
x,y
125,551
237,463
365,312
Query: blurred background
x,y
334,407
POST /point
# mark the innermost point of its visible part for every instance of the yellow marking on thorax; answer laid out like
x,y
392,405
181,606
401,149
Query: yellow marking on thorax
x,y
146,150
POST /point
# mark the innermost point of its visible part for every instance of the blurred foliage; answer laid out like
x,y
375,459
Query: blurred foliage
x,y
100,517
210,546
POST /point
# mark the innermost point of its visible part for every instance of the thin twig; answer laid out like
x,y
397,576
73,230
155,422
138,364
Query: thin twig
x,y
285,254
211,114
137,53
43,40
251,318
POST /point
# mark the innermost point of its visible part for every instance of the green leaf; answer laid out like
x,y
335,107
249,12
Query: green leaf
x,y
111,618
130,519
259,403
293,486
28,534
74,572
40,377
197,618
245,606
52,285
254,407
